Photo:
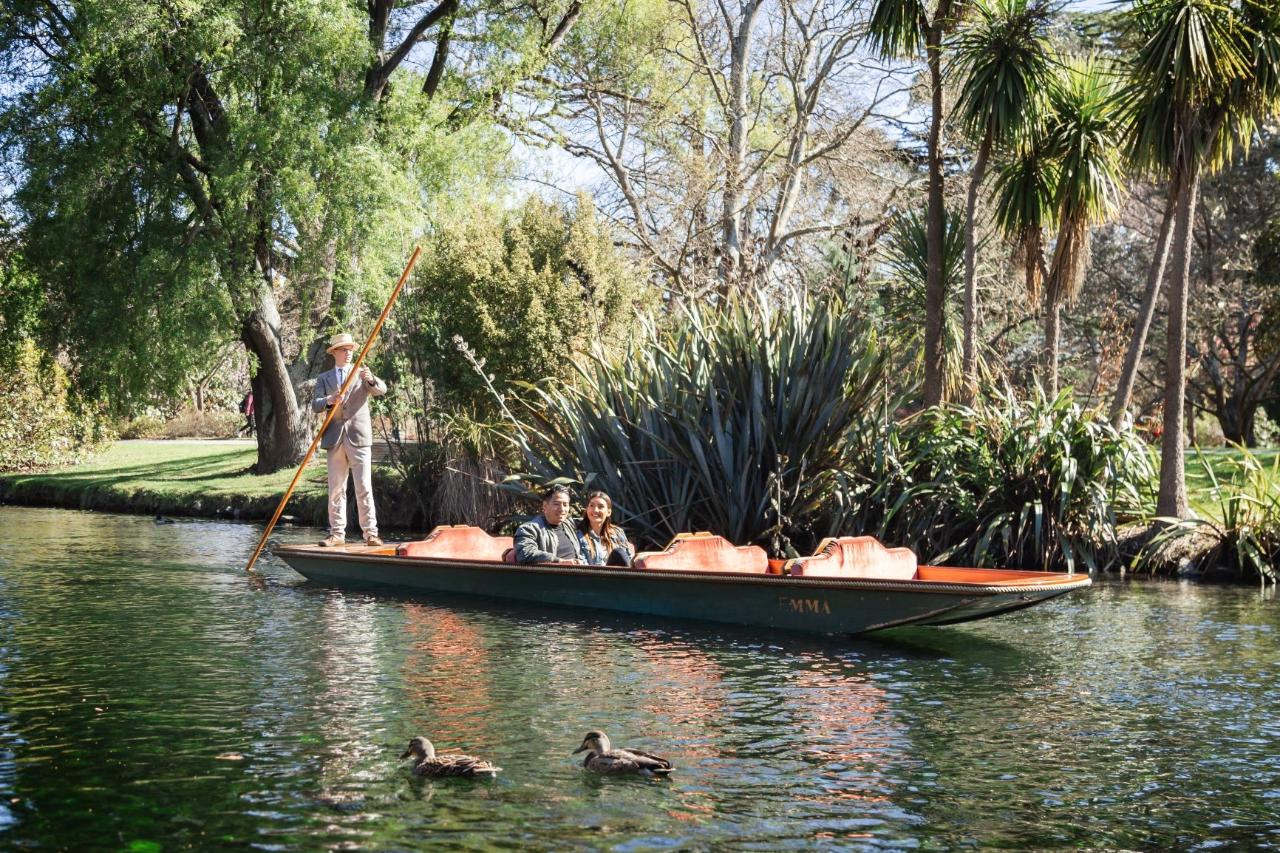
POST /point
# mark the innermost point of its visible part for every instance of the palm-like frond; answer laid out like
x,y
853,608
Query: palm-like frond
x,y
1003,58
896,29
905,271
1190,47
1203,71
1025,187
1082,134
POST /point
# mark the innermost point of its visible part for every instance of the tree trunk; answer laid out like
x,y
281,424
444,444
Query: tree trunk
x,y
1191,421
970,368
1155,275
735,163
284,425
1237,418
1172,498
1052,326
935,298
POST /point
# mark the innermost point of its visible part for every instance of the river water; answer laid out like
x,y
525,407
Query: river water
x,y
152,697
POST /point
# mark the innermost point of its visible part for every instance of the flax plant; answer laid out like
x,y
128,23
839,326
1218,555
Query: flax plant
x,y
724,419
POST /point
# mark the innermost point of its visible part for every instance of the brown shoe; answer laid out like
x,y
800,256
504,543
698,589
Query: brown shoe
x,y
373,541
332,542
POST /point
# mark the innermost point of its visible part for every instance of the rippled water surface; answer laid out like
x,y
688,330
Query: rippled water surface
x,y
152,697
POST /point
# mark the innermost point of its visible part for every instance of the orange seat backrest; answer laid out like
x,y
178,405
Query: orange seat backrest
x,y
705,552
856,557
460,542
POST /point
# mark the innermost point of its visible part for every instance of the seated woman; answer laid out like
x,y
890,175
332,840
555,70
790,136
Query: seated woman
x,y
603,542
549,537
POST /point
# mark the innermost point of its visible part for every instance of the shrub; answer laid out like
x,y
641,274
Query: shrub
x,y
38,426
189,423
1037,483
142,426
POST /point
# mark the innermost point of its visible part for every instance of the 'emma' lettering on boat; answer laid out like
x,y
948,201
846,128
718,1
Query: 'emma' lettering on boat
x,y
804,605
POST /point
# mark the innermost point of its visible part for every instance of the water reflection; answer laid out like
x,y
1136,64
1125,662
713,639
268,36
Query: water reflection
x,y
446,673
149,695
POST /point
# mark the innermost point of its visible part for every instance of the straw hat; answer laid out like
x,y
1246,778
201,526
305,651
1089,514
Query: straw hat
x,y
340,341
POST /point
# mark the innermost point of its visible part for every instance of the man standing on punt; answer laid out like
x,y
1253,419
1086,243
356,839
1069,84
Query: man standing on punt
x,y
348,441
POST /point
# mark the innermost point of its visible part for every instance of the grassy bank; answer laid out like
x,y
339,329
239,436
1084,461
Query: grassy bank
x,y
211,479
195,478
1224,461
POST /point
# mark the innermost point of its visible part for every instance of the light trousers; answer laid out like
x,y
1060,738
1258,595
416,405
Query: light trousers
x,y
343,458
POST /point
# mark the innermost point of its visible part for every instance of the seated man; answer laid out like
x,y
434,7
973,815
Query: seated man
x,y
549,537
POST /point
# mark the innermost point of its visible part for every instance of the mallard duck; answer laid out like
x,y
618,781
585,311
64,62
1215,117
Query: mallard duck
x,y
601,758
427,763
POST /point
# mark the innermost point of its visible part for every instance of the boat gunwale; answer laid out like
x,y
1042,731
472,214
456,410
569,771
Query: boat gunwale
x,y
1056,582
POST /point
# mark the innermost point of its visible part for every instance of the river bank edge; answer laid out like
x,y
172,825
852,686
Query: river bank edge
x,y
196,479
212,480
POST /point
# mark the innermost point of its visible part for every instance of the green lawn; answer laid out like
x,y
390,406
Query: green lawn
x,y
179,477
1225,463
173,468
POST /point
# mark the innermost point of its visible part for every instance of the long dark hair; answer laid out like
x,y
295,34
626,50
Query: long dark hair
x,y
606,529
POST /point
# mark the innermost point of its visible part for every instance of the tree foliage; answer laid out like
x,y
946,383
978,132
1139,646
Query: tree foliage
x,y
526,289
198,172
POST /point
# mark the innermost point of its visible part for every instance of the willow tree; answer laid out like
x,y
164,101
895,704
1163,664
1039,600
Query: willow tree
x,y
1204,73
216,170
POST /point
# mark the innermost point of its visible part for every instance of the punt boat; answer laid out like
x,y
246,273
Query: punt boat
x,y
850,585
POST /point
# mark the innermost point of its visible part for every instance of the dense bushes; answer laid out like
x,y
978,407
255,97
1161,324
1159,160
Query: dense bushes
x,y
1035,483
37,426
765,423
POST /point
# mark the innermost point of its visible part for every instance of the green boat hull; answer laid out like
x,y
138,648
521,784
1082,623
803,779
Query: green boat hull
x,y
815,605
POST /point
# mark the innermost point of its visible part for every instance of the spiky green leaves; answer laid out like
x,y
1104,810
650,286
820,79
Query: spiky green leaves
x,y
1003,58
896,28
725,420
1205,72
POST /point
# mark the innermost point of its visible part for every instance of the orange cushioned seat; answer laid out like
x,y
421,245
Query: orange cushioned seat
x,y
457,542
856,557
705,552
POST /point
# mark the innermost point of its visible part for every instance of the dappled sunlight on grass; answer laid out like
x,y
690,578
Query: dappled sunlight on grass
x,y
1226,464
175,468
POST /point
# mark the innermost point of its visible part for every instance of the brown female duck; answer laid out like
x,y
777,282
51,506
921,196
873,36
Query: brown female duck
x,y
602,758
427,763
